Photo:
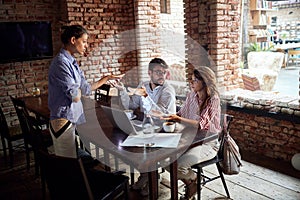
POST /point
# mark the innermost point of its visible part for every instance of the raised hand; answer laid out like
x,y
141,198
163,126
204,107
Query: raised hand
x,y
141,92
115,77
117,84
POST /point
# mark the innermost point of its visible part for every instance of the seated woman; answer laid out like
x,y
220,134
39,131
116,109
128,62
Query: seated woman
x,y
202,110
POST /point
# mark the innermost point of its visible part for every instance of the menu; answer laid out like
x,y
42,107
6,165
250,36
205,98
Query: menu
x,y
167,140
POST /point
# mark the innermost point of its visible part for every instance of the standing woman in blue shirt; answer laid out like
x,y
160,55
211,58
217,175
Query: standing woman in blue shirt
x,y
66,86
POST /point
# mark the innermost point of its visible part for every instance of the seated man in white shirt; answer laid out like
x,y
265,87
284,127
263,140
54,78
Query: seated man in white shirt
x,y
154,95
159,94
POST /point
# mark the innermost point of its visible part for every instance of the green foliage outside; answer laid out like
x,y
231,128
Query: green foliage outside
x,y
257,47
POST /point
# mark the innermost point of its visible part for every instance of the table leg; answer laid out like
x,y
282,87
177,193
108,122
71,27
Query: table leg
x,y
174,179
131,175
106,161
153,186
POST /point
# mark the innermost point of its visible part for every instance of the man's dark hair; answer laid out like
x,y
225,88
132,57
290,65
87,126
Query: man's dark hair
x,y
157,61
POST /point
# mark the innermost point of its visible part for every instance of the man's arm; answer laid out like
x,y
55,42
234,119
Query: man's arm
x,y
167,100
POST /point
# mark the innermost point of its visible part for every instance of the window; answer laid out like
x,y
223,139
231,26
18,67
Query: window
x,y
165,6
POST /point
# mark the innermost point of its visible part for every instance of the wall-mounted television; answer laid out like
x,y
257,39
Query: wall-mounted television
x,y
25,41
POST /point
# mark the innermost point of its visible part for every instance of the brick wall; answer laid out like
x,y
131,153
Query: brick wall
x,y
264,123
108,23
215,25
18,77
105,22
148,37
255,132
111,37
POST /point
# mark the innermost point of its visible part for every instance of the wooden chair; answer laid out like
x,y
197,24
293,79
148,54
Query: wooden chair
x,y
102,93
203,179
284,59
9,135
34,136
66,178
293,55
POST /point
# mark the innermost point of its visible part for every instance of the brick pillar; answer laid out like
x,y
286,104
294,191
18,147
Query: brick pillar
x,y
215,26
147,15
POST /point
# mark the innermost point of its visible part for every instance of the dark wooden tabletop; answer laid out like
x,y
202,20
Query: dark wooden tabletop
x,y
39,104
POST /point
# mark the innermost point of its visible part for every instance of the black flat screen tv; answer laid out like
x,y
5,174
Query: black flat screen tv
x,y
25,41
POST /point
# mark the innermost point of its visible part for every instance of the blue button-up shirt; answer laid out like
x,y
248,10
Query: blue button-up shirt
x,y
65,78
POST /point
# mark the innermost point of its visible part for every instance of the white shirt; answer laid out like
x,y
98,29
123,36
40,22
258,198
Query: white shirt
x,y
163,97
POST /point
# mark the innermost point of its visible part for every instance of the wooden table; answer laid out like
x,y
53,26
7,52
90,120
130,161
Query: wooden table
x,y
285,48
39,105
99,131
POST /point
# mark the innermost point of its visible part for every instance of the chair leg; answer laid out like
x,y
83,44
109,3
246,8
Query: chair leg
x,y
36,163
131,175
11,156
80,142
116,164
27,151
43,182
199,187
223,179
4,148
126,190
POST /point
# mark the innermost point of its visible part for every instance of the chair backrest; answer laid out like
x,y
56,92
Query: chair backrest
x,y
226,119
102,93
21,113
30,129
4,131
294,55
65,177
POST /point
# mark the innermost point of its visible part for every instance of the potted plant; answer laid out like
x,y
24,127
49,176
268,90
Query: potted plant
x,y
257,47
283,36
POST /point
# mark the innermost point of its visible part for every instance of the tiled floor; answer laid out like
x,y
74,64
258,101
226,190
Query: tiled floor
x,y
253,182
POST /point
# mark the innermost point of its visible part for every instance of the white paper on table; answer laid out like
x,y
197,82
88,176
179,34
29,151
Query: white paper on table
x,y
167,140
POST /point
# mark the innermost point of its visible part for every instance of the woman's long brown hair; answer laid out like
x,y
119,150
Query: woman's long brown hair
x,y
208,77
